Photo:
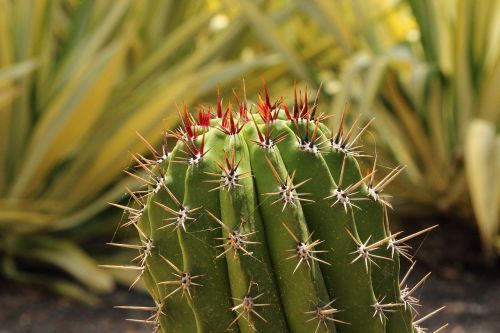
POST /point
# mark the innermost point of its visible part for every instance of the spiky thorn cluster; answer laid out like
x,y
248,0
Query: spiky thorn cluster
x,y
375,189
134,212
287,191
237,241
180,217
307,141
188,132
248,307
145,251
365,251
380,308
185,280
323,314
156,157
229,177
344,196
153,320
344,142
301,111
304,250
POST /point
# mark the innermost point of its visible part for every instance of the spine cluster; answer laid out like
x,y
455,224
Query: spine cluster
x,y
263,222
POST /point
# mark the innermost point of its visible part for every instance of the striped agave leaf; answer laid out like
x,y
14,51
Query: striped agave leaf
x,y
76,78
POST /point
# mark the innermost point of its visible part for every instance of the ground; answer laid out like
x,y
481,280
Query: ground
x,y
460,281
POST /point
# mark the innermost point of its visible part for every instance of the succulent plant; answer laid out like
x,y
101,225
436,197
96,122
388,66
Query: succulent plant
x,y
264,222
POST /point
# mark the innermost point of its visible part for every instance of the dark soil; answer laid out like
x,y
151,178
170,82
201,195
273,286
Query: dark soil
x,y
460,281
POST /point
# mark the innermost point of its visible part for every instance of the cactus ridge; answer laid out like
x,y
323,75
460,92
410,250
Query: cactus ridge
x,y
260,222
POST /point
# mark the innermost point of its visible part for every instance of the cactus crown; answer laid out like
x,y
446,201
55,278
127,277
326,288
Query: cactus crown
x,y
263,222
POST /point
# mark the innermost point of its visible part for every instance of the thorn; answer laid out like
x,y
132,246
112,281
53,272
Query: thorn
x,y
420,320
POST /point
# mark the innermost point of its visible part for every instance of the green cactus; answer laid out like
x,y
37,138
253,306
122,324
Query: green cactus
x,y
262,222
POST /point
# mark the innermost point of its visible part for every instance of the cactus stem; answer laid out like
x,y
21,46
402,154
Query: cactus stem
x,y
185,280
237,241
247,306
379,309
304,156
304,250
323,314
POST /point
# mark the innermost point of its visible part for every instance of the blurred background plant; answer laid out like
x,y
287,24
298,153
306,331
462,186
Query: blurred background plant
x,y
79,77
429,72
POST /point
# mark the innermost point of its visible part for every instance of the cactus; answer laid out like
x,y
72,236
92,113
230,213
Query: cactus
x,y
263,222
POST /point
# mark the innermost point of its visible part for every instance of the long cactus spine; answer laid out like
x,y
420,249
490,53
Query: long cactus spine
x,y
262,221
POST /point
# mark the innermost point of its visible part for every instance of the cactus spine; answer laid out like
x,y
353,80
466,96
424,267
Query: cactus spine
x,y
263,222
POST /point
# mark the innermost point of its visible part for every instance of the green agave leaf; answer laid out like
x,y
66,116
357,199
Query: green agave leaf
x,y
86,47
17,71
331,20
68,118
56,285
272,36
482,165
65,256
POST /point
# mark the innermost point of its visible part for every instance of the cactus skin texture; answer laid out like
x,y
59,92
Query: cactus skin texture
x,y
263,222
